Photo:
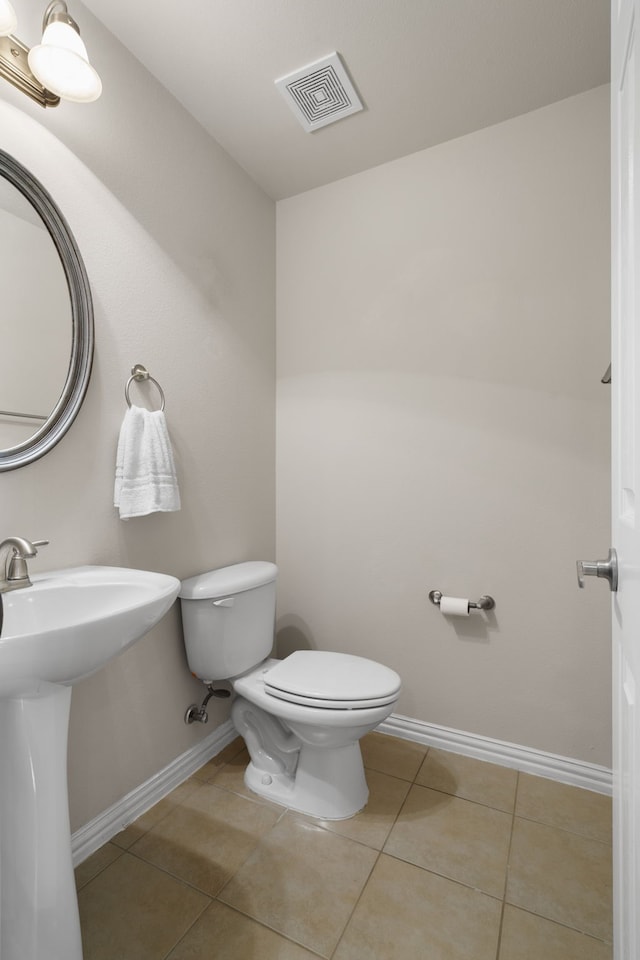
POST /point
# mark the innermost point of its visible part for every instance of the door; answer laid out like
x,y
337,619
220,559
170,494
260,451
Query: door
x,y
625,138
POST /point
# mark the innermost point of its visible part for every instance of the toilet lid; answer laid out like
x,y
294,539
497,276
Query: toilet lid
x,y
332,680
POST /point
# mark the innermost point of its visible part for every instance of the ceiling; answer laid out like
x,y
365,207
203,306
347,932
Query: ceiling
x,y
426,70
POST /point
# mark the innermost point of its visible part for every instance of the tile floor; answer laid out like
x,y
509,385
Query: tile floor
x,y
452,859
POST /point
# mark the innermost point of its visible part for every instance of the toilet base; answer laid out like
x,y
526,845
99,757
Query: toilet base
x,y
329,783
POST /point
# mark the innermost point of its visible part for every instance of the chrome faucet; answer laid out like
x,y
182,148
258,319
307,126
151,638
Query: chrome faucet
x,y
14,553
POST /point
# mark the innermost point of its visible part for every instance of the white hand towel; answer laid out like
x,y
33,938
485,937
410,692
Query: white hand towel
x,y
146,479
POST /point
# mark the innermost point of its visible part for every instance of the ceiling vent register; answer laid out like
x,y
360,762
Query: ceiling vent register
x,y
320,93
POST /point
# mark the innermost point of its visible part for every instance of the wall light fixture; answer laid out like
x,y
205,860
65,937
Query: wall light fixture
x,y
8,19
57,68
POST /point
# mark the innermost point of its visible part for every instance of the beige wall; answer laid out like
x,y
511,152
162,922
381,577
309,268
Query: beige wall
x,y
442,331
179,248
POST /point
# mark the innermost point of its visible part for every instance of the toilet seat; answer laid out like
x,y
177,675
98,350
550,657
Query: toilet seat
x,y
332,681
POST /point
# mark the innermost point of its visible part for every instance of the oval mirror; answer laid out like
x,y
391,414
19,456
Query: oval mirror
x,y
47,329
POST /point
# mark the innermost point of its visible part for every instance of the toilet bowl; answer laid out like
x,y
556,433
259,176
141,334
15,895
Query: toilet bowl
x,y
301,717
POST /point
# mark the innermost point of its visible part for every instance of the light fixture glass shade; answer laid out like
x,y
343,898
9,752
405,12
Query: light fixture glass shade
x,y
61,64
8,19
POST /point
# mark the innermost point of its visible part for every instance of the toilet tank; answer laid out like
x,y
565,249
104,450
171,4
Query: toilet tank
x,y
228,619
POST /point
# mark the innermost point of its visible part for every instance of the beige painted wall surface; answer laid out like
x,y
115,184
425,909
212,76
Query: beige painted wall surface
x,y
442,331
179,248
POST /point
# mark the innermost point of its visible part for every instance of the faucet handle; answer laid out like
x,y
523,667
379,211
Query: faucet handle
x,y
23,548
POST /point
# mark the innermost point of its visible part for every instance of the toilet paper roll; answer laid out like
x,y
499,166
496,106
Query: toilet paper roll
x,y
455,606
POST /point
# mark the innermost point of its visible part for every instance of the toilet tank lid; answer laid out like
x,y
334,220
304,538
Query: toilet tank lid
x,y
228,580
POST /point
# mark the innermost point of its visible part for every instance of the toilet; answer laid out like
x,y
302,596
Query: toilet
x,y
301,717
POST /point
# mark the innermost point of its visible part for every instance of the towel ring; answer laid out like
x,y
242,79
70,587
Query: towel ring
x,y
138,372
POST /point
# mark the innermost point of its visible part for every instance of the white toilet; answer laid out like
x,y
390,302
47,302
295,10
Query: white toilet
x,y
301,717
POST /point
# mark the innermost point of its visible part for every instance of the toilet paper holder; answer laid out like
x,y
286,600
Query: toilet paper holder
x,y
484,603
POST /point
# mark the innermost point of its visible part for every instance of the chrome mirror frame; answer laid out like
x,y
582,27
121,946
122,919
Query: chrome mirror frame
x,y
79,372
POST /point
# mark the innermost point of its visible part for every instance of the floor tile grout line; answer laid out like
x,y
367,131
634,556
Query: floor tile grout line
x,y
175,876
443,876
359,898
512,811
191,926
382,852
247,916
319,822
266,926
279,932
387,774
559,923
379,851
506,872
457,796
434,873
193,886
285,810
94,876
574,833
212,898
172,807
233,875
397,777
253,798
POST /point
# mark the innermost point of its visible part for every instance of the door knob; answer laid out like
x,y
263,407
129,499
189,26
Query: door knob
x,y
608,569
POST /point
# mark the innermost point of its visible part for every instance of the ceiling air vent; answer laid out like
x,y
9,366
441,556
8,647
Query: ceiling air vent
x,y
320,93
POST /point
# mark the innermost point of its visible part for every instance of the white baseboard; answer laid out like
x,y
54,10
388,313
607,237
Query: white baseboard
x,y
106,825
577,773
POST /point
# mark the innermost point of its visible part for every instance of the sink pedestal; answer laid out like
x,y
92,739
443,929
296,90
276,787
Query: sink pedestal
x,y
64,627
38,902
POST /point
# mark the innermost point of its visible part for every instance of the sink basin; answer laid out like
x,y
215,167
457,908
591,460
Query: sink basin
x,y
65,626
71,622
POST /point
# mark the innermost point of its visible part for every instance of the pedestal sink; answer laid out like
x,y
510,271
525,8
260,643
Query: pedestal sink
x,y
64,627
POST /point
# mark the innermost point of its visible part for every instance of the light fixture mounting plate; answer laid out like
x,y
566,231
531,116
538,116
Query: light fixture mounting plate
x,y
14,67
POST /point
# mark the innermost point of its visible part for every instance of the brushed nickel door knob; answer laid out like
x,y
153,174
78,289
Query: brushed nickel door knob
x,y
607,569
